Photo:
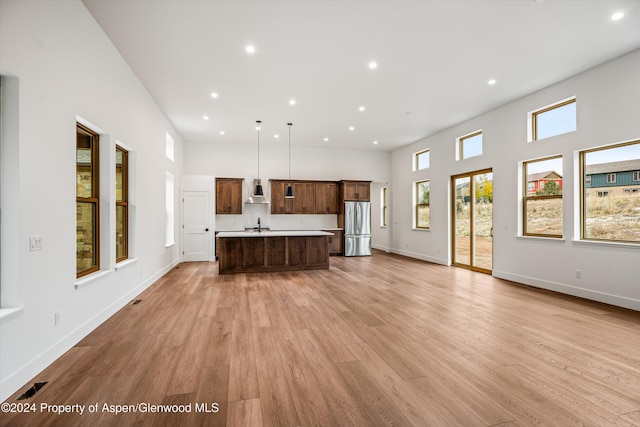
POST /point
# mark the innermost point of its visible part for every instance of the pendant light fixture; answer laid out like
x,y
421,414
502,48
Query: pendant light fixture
x,y
257,191
288,194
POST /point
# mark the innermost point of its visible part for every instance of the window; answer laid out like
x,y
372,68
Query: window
x,y
169,147
385,211
610,213
87,201
421,160
542,201
587,180
469,145
169,199
422,196
553,120
122,205
636,176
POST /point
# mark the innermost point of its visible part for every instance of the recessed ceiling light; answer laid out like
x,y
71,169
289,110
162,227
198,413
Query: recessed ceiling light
x,y
351,128
205,117
492,82
616,16
326,139
276,136
250,48
221,132
373,65
361,108
375,142
214,94
292,102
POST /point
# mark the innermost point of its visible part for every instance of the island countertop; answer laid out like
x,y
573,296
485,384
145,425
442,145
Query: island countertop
x,y
274,233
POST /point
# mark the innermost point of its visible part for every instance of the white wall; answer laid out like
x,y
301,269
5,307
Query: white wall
x,y
313,163
607,113
67,67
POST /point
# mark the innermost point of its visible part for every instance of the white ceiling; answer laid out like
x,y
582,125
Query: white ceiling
x,y
434,61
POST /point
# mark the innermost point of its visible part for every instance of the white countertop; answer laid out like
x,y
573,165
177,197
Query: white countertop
x,y
274,233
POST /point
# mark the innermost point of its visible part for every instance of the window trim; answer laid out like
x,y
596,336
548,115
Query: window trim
x,y
385,207
418,205
460,144
583,194
536,113
416,161
124,202
526,198
95,195
611,178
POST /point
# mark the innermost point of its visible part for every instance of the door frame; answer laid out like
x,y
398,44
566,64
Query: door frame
x,y
211,222
472,202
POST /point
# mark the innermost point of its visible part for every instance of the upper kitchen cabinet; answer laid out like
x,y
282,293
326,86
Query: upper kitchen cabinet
x,y
280,205
326,198
229,196
355,191
304,200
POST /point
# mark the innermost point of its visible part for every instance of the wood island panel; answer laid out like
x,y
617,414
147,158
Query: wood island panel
x,y
272,253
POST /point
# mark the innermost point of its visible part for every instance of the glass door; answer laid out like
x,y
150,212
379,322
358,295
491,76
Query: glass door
x,y
472,220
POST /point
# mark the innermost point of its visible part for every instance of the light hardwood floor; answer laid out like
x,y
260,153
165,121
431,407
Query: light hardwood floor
x,y
381,340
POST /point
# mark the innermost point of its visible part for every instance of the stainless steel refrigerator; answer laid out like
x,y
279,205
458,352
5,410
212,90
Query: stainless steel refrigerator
x,y
357,228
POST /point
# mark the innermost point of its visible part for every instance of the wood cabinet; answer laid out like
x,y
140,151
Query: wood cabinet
x,y
229,196
305,196
326,195
311,197
336,242
276,253
280,205
355,191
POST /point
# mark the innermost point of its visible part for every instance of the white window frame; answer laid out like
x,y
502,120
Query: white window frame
x,y
611,178
416,157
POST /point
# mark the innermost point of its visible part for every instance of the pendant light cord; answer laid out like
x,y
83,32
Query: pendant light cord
x,y
289,124
259,122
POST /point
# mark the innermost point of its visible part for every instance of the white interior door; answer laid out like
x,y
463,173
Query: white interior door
x,y
196,226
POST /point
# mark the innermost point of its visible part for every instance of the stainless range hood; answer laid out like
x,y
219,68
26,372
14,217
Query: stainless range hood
x,y
257,195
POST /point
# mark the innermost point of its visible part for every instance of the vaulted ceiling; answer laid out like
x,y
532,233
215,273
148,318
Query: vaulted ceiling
x,y
434,62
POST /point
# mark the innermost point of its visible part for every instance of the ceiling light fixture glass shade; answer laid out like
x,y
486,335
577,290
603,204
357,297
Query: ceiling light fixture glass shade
x,y
257,190
288,193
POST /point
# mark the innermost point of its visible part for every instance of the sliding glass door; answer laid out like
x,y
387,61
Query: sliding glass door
x,y
472,220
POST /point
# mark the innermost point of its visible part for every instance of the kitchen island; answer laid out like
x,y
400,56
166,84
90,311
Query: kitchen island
x,y
254,251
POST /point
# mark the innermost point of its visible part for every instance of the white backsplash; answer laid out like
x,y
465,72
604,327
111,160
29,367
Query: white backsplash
x,y
251,213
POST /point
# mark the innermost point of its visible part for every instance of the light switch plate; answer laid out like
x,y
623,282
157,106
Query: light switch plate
x,y
35,243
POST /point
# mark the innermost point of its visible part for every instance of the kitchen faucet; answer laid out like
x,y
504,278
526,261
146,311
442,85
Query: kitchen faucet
x,y
259,229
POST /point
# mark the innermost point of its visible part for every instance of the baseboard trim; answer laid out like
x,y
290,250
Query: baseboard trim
x,y
422,257
18,379
617,300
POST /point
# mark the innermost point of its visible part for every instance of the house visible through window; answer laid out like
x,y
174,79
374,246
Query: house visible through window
x,y
610,208
542,200
422,196
122,207
553,120
87,201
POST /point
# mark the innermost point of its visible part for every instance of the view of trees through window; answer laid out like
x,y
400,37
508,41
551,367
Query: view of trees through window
x,y
542,200
611,206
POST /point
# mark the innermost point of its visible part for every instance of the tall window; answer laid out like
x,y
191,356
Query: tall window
x,y
542,197
385,211
169,194
469,145
422,196
553,120
87,201
610,208
122,206
421,160
169,147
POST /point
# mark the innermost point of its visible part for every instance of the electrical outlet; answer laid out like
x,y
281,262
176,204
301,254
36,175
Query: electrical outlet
x,y
578,274
56,318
